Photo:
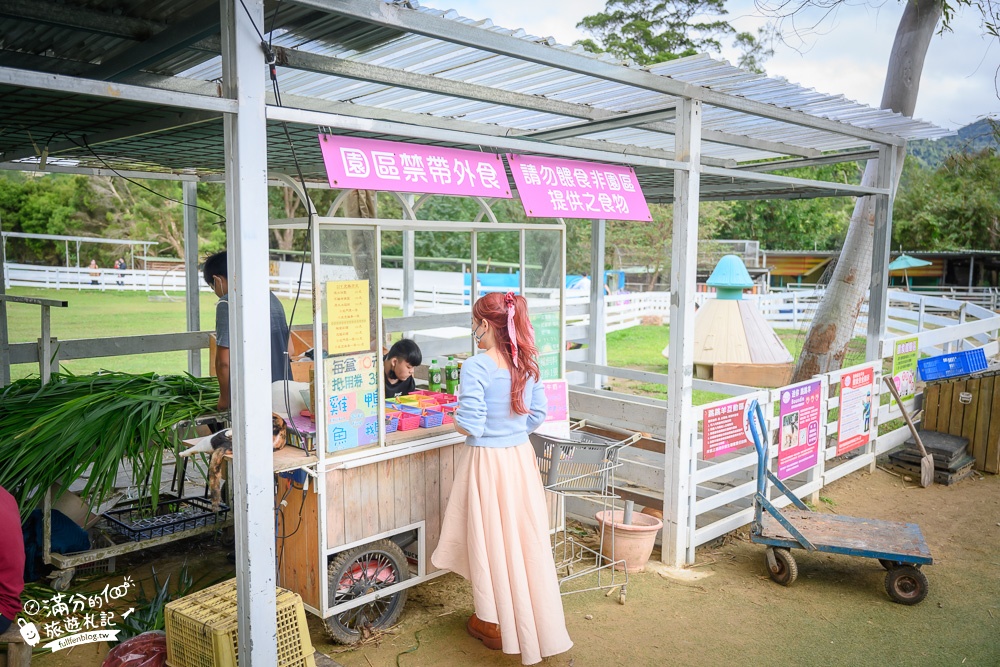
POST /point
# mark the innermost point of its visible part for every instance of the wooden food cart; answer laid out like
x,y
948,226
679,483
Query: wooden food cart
x,y
354,540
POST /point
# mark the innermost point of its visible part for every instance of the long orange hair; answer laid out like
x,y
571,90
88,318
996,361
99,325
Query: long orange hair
x,y
504,311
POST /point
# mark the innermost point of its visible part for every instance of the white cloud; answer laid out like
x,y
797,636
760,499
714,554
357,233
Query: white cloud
x,y
847,54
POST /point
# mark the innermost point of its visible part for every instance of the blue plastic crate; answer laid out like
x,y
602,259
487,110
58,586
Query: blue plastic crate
x,y
952,365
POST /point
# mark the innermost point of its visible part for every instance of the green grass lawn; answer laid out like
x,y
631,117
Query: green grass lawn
x,y
93,314
104,314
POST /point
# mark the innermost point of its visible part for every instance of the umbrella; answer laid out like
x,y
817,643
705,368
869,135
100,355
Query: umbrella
x,y
904,262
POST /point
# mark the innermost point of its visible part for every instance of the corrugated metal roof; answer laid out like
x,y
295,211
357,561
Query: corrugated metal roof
x,y
85,35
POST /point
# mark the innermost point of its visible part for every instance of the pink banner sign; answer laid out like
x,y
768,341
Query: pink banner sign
x,y
554,188
557,395
373,164
724,428
798,431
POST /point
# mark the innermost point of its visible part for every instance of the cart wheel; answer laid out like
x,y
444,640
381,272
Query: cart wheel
x,y
61,579
787,571
360,571
906,584
888,564
621,595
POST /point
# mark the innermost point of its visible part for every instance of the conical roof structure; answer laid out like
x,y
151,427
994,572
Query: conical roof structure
x,y
733,341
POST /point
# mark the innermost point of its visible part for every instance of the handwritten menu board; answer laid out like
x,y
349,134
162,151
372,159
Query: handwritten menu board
x,y
548,330
351,401
347,316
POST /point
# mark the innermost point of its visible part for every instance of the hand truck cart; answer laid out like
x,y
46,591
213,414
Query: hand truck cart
x,y
899,547
582,466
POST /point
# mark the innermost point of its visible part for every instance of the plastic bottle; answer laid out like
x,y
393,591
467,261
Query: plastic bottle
x,y
451,376
434,376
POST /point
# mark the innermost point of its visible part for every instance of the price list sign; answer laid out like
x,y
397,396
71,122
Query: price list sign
x,y
347,316
547,328
351,401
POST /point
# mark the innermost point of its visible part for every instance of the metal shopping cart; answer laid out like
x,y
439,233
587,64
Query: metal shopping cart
x,y
583,465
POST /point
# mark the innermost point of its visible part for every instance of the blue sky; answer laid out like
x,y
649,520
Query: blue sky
x,y
846,54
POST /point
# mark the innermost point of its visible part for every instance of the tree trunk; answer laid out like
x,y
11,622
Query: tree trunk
x,y
833,326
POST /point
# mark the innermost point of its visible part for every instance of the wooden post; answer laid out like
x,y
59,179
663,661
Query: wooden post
x,y
243,71
681,424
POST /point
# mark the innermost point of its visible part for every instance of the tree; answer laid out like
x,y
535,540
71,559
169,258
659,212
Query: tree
x,y
654,31
956,206
832,327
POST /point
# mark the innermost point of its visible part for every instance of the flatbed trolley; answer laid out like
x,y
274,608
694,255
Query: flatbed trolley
x,y
899,547
582,466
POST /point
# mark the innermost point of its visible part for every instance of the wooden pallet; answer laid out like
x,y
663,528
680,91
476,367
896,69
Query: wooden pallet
x,y
978,419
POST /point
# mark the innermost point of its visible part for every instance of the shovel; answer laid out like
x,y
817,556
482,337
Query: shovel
x,y
926,460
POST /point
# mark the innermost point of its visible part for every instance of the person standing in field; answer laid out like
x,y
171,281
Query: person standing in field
x,y
216,274
95,272
495,531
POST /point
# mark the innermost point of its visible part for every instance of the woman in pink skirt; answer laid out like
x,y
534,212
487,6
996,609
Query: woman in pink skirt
x,y
495,532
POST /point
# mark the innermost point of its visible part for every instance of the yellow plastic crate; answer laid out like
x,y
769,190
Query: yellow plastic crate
x,y
202,629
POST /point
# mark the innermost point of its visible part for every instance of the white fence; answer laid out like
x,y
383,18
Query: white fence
x,y
720,490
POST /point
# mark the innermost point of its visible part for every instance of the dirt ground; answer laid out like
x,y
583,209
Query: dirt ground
x,y
727,610
724,609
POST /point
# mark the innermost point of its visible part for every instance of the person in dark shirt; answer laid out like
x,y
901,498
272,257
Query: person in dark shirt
x,y
11,560
397,367
216,275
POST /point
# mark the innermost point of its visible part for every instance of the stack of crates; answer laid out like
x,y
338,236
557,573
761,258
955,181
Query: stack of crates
x,y
201,629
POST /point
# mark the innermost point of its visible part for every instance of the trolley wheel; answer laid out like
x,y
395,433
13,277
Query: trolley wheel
x,y
61,579
621,595
360,571
888,564
786,570
906,585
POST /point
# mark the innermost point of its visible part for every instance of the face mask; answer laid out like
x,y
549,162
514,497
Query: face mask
x,y
476,336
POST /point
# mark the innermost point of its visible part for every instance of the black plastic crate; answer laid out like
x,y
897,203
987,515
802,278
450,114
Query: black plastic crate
x,y
137,521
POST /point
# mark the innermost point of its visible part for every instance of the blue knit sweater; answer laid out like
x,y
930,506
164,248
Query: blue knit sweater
x,y
484,405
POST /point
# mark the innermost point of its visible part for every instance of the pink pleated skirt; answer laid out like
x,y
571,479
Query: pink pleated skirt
x,y
495,533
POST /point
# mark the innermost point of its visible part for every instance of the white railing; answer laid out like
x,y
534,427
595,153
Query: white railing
x,y
720,490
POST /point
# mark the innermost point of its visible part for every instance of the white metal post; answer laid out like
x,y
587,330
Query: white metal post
x,y
878,296
244,75
597,331
681,424
191,277
409,272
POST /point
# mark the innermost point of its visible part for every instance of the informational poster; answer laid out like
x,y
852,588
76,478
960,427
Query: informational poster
x,y
557,188
375,164
904,367
854,419
799,428
352,401
548,330
725,428
557,395
347,316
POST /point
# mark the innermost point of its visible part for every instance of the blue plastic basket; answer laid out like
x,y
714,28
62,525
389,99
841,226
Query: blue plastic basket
x,y
952,365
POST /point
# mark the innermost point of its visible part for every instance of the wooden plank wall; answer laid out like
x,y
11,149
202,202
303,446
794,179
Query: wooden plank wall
x,y
388,495
979,420
298,553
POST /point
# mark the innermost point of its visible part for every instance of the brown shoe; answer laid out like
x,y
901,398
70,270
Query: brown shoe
x,y
487,633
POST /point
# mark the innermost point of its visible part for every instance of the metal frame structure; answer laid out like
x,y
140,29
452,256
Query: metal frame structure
x,y
88,89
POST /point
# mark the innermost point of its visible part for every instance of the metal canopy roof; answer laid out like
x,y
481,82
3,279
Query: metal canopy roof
x,y
403,64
